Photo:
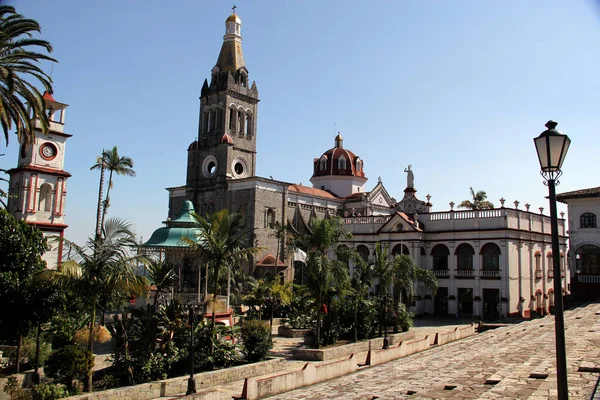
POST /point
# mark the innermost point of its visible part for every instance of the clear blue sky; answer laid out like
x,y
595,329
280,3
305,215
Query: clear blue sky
x,y
457,88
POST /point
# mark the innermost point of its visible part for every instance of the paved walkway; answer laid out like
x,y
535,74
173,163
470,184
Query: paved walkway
x,y
497,364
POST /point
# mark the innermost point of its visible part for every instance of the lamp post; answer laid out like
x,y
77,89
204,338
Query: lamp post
x,y
191,381
386,342
552,147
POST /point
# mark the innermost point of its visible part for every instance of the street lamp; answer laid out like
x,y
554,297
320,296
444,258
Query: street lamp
x,y
386,342
552,147
191,381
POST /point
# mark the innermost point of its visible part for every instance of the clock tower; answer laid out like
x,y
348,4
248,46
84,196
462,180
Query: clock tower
x,y
38,185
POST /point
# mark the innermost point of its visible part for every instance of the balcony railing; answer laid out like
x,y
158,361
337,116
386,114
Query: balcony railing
x,y
588,278
441,273
464,273
550,273
490,273
538,274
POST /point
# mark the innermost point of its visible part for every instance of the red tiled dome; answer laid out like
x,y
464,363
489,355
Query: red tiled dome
x,y
226,139
332,162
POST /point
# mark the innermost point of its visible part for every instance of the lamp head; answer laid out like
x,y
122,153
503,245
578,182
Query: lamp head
x,y
552,146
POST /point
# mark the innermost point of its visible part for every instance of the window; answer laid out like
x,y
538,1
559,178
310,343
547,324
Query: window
x,y
323,164
587,220
464,256
358,165
270,218
232,118
400,249
490,254
45,203
538,261
342,163
248,124
588,260
363,251
440,255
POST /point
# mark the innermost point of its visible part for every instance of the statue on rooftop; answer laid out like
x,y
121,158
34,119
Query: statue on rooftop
x,y
410,177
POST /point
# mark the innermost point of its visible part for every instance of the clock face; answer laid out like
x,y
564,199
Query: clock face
x,y
48,151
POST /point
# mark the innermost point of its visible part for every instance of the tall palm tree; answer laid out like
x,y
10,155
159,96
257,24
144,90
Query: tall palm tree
x,y
221,243
20,59
405,273
121,165
161,274
383,269
478,201
361,281
324,273
100,267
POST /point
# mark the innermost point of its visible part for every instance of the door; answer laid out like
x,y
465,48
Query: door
x,y
491,303
440,304
465,302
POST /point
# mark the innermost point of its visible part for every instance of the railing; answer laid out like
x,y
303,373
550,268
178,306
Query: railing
x,y
380,219
588,278
490,273
441,273
538,274
447,215
550,273
464,273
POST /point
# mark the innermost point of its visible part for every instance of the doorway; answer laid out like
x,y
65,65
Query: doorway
x,y
491,302
465,302
440,303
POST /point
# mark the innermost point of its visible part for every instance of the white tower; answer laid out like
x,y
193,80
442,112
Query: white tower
x,y
38,185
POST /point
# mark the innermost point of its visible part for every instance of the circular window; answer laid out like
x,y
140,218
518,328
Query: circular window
x,y
209,166
240,169
48,151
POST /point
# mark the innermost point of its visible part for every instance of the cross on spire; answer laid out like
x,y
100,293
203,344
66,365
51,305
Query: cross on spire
x,y
233,8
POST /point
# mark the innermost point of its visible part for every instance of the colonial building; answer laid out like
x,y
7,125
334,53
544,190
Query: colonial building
x,y
38,185
583,207
488,262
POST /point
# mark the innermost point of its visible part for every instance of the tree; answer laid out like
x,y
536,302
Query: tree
x,y
383,268
100,267
22,247
221,243
324,273
361,283
478,201
161,274
110,160
404,274
20,57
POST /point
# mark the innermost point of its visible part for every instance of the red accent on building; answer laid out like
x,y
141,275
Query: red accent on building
x,y
44,170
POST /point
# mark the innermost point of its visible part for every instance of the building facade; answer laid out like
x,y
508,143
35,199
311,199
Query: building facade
x,y
583,207
489,263
38,185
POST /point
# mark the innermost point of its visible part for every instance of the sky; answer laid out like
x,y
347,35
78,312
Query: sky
x,y
458,89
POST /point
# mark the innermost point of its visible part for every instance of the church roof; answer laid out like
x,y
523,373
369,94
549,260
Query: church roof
x,y
181,227
331,162
311,191
579,194
269,260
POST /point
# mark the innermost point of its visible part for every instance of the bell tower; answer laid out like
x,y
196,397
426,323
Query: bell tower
x,y
226,146
38,185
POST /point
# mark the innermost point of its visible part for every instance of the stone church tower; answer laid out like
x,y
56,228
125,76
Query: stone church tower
x,y
226,146
38,185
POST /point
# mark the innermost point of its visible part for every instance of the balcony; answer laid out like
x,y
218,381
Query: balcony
x,y
464,274
538,274
441,273
490,274
550,273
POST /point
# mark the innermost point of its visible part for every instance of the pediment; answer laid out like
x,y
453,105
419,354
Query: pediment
x,y
398,223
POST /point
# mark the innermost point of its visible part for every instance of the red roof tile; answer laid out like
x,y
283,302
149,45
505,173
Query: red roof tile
x,y
48,96
311,191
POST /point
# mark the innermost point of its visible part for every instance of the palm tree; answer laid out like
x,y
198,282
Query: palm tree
x,y
404,274
383,269
110,160
101,267
478,202
163,277
221,243
19,61
360,283
258,294
323,272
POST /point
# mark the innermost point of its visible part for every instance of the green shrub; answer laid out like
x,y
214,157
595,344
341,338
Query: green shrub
x,y
256,339
28,351
48,391
69,363
14,390
405,317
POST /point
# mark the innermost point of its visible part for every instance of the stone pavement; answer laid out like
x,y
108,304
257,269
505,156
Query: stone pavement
x,y
514,362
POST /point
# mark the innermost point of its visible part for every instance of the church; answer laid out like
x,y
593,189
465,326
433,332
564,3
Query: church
x,y
489,263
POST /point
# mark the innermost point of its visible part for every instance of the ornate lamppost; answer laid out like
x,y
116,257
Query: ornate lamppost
x,y
191,381
552,147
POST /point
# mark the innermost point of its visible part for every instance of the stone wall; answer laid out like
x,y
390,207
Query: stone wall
x,y
173,386
456,334
404,349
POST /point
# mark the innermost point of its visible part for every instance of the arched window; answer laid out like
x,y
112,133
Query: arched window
x,y
440,255
323,163
342,163
587,260
358,165
270,218
45,203
363,251
400,249
248,124
490,254
232,119
241,122
587,220
464,256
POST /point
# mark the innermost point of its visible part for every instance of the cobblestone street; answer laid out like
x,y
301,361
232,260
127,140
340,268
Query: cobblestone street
x,y
515,362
